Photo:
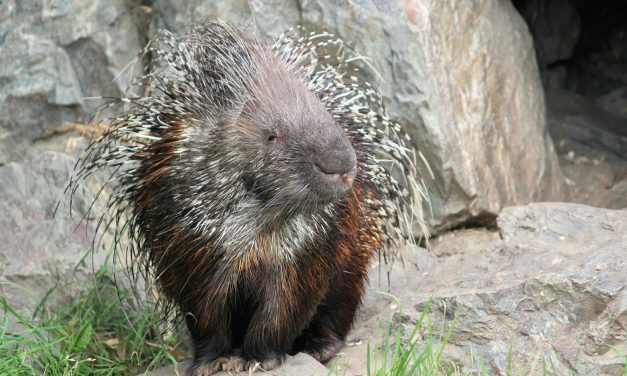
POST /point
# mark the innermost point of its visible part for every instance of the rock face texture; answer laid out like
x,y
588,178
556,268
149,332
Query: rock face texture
x,y
460,75
54,54
551,283
298,365
39,251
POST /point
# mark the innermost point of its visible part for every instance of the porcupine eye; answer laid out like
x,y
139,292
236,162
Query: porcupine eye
x,y
271,136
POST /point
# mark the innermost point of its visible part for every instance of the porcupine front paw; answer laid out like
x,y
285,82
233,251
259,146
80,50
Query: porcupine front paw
x,y
262,365
208,368
323,349
233,363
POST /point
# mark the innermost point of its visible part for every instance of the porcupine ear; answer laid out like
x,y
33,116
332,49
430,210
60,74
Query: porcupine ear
x,y
334,75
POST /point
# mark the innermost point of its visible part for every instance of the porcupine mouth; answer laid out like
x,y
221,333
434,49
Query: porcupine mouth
x,y
313,194
331,186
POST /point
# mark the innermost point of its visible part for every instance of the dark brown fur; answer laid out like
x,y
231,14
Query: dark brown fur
x,y
250,186
253,304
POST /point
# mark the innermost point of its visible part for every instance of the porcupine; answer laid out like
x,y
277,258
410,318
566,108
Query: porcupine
x,y
249,180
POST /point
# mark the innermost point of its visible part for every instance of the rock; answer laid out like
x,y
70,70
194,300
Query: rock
x,y
574,117
555,27
588,138
56,53
39,251
552,282
462,78
298,365
615,102
271,16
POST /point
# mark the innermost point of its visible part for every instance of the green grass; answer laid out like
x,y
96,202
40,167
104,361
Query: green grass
x,y
102,332
418,354
623,354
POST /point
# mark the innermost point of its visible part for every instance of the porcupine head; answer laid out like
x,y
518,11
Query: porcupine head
x,y
250,183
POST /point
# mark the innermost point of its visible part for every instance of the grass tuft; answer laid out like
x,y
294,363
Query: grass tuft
x,y
102,332
418,354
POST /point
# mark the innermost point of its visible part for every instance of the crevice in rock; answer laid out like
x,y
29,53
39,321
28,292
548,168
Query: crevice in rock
x,y
581,50
465,220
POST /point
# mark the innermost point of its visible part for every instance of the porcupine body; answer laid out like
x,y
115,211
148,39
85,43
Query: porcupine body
x,y
250,181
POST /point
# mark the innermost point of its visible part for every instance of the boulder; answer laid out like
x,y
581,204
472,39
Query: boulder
x,y
460,75
54,55
550,285
42,246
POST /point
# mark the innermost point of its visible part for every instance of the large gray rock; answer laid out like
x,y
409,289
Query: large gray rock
x,y
41,249
552,283
54,54
460,75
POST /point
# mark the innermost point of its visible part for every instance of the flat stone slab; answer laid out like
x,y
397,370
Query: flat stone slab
x,y
298,365
551,283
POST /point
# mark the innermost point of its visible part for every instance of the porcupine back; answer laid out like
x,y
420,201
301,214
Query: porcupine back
x,y
177,171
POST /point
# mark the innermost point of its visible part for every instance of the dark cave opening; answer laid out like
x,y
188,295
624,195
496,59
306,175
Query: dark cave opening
x,y
581,45
600,55
581,50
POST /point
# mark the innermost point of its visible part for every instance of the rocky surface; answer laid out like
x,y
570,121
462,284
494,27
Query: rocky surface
x,y
40,249
588,138
552,282
298,365
54,55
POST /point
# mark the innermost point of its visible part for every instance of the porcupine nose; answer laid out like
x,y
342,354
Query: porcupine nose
x,y
336,163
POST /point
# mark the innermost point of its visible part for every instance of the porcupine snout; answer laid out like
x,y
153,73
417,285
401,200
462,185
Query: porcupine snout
x,y
334,164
